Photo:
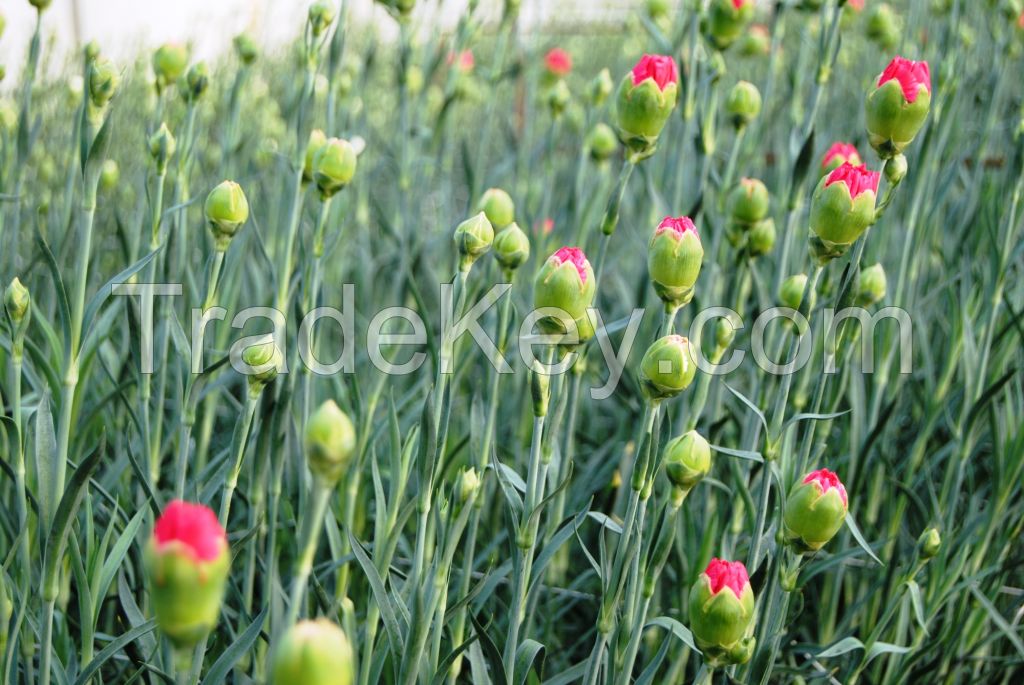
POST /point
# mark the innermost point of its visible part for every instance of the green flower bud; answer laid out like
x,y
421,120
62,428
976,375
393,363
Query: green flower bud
x,y
727,19
103,82
161,147
330,442
110,174
473,237
498,207
169,63
334,166
226,211
756,42
882,26
187,562
674,256
895,169
314,653
540,390
265,360
197,79
657,9
511,247
246,48
687,460
725,333
815,511
468,485
601,87
602,142
742,651
91,51
897,107
748,202
565,282
929,543
761,239
721,608
647,96
559,97
321,14
842,207
18,302
667,368
317,139
743,103
791,292
40,4
871,286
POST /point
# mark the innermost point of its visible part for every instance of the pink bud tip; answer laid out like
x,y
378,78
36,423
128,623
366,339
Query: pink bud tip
x,y
558,62
857,5
727,574
575,256
547,226
826,479
661,68
678,225
194,526
464,59
912,76
738,4
857,178
844,151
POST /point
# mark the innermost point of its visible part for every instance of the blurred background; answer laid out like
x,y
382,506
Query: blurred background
x,y
124,27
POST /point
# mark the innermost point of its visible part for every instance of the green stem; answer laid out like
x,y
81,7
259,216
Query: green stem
x,y
238,443
312,524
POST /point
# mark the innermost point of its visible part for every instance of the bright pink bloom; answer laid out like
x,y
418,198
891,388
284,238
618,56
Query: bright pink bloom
x,y
679,225
826,479
844,151
910,74
575,256
857,178
194,526
1020,21
465,60
738,4
558,62
856,4
727,574
661,68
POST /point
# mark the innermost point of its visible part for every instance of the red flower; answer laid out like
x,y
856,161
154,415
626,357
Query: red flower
x,y
738,4
661,68
194,526
857,178
844,151
576,257
465,59
558,62
856,4
912,76
727,574
679,225
826,479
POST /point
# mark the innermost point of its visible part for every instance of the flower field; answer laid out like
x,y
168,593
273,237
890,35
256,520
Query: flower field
x,y
686,349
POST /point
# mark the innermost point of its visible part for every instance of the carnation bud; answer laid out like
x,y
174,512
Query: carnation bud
x,y
687,460
110,174
317,139
757,42
602,142
564,282
871,285
321,14
473,237
18,302
815,510
558,62
196,81
883,26
103,82
601,87
895,169
721,608
657,9
511,247
91,51
559,97
40,4
169,63
187,562
674,257
727,20
540,389
330,442
314,653
842,207
265,361
898,106
647,96
334,166
667,368
748,202
761,239
837,155
468,485
743,104
246,48
498,207
161,147
725,333
791,292
226,211
929,543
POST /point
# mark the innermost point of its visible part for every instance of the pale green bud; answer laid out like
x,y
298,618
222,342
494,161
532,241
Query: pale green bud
x,y
687,460
668,367
743,104
497,205
314,653
330,442
511,246
226,210
473,237
334,166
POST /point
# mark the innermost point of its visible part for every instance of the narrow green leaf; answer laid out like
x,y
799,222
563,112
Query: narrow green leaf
x,y
847,644
112,648
859,537
218,673
880,648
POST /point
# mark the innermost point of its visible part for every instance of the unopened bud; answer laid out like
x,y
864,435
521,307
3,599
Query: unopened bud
x,y
226,211
602,142
246,49
601,87
196,82
761,239
511,246
929,543
314,653
895,169
667,367
687,460
330,442
498,207
334,166
103,82
473,237
321,14
110,174
791,292
743,104
161,147
18,302
871,286
265,361
169,63
469,484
